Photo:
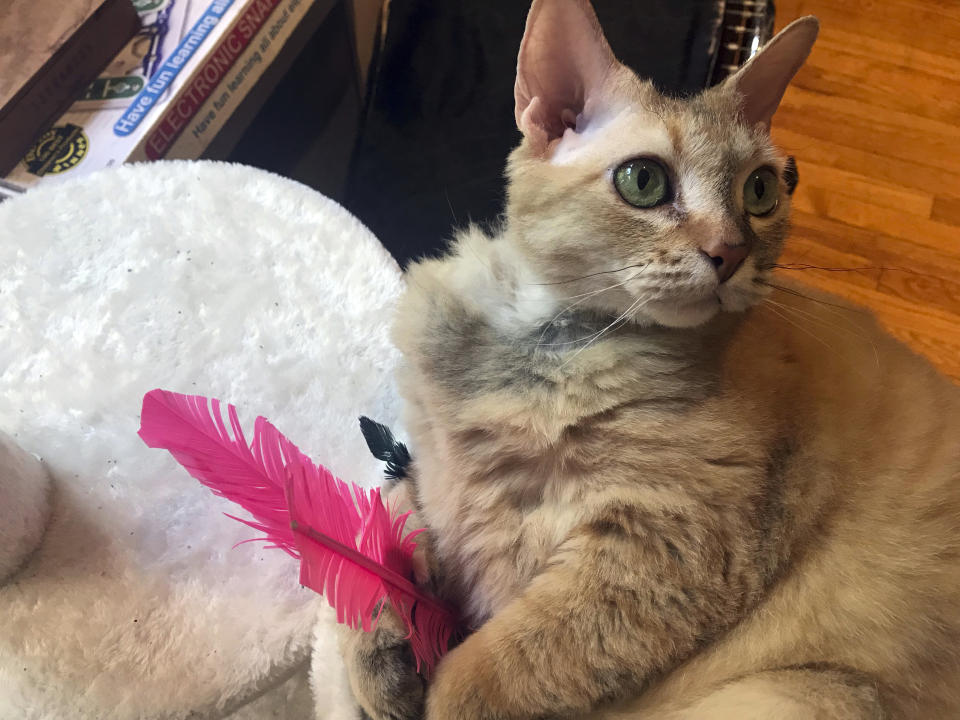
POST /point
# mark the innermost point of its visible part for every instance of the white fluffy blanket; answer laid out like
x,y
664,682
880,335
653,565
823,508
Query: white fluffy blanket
x,y
200,278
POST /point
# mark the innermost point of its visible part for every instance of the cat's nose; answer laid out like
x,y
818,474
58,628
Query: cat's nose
x,y
726,259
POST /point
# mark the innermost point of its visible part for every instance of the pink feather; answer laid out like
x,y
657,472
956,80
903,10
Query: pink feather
x,y
352,549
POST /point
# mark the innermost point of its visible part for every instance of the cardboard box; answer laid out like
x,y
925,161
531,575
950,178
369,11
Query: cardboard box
x,y
170,91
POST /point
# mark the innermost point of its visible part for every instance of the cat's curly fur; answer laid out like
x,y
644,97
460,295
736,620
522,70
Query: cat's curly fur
x,y
653,493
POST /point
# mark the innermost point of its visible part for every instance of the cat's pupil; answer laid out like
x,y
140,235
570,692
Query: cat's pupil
x,y
758,187
643,177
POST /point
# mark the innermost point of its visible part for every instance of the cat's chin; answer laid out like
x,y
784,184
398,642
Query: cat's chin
x,y
680,314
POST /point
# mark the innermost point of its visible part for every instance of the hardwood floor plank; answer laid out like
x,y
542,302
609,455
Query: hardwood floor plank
x,y
810,253
940,63
877,249
931,291
946,210
878,84
817,180
924,25
870,215
855,124
871,162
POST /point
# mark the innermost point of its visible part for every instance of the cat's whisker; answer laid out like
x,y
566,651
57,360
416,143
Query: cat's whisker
x,y
798,326
521,298
833,309
476,254
591,293
852,329
578,341
641,266
624,317
583,298
446,193
782,316
592,336
866,268
791,291
797,312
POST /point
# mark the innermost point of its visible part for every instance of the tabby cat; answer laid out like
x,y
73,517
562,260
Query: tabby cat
x,y
659,482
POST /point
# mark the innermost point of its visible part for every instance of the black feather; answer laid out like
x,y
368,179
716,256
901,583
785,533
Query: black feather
x,y
384,447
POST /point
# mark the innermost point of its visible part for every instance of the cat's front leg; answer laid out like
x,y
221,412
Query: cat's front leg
x,y
623,600
382,670
380,664
24,505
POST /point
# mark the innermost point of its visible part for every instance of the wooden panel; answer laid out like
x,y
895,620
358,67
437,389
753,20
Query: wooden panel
x,y
874,122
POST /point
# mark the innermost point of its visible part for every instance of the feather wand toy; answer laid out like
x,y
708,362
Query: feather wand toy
x,y
352,549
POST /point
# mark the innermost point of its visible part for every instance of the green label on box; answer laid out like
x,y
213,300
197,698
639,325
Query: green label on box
x,y
111,88
143,6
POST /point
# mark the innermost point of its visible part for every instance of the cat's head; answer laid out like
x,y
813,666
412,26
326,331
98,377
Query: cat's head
x,y
666,209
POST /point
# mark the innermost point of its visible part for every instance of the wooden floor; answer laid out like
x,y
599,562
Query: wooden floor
x,y
874,122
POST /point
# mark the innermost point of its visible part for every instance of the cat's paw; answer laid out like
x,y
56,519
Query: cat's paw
x,y
382,671
468,686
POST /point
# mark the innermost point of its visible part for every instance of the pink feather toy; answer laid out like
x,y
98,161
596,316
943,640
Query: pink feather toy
x,y
352,548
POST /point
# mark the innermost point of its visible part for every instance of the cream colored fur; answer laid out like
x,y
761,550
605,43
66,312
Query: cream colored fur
x,y
867,576
657,495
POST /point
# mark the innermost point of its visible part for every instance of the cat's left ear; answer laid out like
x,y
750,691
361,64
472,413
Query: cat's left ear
x,y
762,82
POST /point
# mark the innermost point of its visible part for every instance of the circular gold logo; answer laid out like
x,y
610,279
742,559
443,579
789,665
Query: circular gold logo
x,y
58,149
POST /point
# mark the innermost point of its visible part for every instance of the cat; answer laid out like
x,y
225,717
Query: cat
x,y
659,482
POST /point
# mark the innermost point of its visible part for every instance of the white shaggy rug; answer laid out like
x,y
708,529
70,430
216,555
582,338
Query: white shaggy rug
x,y
200,278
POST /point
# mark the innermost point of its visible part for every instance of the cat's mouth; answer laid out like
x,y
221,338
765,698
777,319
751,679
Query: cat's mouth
x,y
683,312
697,297
736,269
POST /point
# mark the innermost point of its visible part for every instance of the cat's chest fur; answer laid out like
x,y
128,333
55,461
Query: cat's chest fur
x,y
498,544
505,475
504,496
522,429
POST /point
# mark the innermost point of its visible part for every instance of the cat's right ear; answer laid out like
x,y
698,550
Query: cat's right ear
x,y
563,62
762,82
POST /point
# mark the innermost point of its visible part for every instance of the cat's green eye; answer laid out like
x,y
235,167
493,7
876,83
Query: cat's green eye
x,y
642,182
761,192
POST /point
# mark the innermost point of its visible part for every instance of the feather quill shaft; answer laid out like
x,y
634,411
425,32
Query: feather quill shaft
x,y
352,549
